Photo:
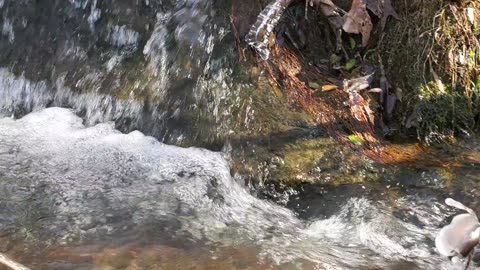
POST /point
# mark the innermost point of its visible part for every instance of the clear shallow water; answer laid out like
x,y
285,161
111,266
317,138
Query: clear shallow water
x,y
90,190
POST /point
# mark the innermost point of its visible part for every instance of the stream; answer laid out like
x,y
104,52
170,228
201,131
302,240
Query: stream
x,y
67,185
96,114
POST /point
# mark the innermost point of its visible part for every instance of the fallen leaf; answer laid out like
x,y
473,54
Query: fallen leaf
x,y
387,96
327,7
357,84
314,85
370,114
385,86
471,15
391,102
329,10
382,9
375,90
353,44
355,139
329,87
350,64
280,41
357,21
399,93
335,59
438,81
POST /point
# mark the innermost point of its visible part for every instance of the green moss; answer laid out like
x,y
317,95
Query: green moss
x,y
423,47
441,113
320,160
299,159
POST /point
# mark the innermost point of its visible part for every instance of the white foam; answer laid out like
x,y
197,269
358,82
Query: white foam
x,y
133,169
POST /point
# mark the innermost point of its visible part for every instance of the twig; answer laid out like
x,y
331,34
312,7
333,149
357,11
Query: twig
x,y
306,9
241,54
11,263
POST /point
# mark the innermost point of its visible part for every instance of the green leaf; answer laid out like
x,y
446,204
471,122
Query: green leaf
x,y
314,85
355,139
353,44
335,59
350,64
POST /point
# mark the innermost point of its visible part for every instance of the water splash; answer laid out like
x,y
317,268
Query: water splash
x,y
17,94
95,14
86,182
121,36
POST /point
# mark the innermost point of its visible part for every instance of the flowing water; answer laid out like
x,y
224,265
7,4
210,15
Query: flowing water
x,y
64,184
82,188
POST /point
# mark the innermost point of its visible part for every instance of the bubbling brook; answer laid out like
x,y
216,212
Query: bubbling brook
x,y
116,152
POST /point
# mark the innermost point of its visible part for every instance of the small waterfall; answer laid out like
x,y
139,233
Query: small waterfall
x,y
18,94
166,71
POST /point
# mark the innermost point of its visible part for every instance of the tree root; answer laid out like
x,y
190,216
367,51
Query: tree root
x,y
11,263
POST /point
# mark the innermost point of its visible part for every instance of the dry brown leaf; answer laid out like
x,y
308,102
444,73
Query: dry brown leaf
x,y
323,2
399,93
471,15
382,9
357,21
438,81
329,10
329,87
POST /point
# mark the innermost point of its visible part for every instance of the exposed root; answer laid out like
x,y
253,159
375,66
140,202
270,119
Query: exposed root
x,y
240,49
292,74
11,263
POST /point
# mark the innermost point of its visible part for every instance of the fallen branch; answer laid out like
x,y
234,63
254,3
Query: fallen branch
x,y
11,263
